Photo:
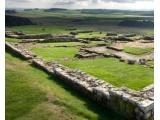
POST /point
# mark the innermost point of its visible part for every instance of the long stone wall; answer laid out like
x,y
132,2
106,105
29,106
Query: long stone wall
x,y
26,38
124,101
135,105
51,39
21,52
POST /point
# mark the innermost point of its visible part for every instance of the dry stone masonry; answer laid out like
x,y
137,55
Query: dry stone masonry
x,y
113,52
110,36
11,34
135,105
40,37
19,51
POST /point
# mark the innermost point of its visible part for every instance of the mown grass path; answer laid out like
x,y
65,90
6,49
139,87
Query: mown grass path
x,y
31,94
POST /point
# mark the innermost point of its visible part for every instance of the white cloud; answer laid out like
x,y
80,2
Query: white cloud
x,y
78,4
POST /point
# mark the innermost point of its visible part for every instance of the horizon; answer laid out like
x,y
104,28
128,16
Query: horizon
x,y
81,9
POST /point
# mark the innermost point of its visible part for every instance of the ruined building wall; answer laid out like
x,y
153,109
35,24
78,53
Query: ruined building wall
x,y
135,105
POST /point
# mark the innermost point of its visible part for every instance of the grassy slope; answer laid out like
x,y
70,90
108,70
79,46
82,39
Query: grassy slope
x,y
137,51
79,14
32,94
111,70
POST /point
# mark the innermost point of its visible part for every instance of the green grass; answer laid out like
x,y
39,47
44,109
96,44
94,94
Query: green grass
x,y
32,94
69,44
61,29
13,40
57,53
79,14
39,29
56,22
109,69
91,35
150,63
137,51
115,72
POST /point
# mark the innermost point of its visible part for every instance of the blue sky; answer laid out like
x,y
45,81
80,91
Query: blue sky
x,y
80,4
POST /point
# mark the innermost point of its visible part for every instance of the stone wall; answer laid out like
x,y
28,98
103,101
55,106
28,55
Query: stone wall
x,y
10,34
26,38
107,51
124,101
135,105
51,39
18,51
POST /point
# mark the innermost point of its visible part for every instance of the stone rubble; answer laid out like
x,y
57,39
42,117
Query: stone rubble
x,y
19,51
40,37
11,34
107,51
135,105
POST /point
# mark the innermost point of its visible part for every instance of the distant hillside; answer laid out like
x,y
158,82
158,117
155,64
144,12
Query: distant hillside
x,y
54,9
113,11
10,11
31,9
137,23
16,21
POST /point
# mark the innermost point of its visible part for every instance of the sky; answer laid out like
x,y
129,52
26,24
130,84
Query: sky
x,y
83,4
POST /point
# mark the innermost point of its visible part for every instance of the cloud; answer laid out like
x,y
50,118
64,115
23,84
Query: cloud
x,y
124,1
68,2
78,4
19,1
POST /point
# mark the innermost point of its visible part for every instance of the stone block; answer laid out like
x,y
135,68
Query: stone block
x,y
146,105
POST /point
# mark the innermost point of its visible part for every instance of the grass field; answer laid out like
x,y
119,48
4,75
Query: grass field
x,y
137,51
68,44
117,73
12,40
58,53
109,69
71,44
61,29
56,22
38,29
91,35
79,13
32,94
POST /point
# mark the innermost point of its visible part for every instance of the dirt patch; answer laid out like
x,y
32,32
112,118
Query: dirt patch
x,y
136,44
139,44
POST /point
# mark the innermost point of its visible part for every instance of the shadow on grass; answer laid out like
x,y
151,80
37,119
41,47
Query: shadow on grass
x,y
103,113
14,54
